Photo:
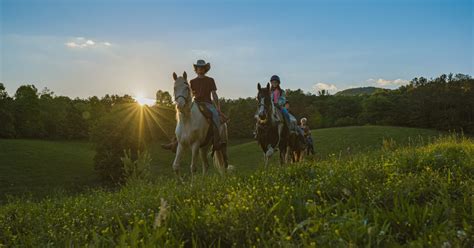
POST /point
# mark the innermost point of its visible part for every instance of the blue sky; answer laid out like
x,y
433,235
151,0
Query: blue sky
x,y
85,48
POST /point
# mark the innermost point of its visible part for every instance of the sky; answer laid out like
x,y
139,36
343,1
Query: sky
x,y
85,48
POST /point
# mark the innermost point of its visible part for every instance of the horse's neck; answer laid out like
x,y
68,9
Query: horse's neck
x,y
186,116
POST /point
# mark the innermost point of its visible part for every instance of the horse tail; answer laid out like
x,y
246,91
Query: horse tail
x,y
220,161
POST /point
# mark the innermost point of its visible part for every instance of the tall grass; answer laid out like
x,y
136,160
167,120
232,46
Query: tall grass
x,y
417,196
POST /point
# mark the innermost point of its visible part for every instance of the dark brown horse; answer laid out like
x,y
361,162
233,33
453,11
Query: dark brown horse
x,y
272,132
296,147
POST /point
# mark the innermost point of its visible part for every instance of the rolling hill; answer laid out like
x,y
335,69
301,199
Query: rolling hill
x,y
358,91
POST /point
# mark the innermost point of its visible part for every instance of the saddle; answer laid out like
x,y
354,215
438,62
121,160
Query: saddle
x,y
293,125
208,114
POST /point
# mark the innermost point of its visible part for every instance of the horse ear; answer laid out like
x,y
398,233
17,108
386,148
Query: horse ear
x,y
175,76
185,76
259,87
268,86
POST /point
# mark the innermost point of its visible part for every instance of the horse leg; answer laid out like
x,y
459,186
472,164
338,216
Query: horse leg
x,y
265,159
224,154
177,160
280,131
286,155
204,159
269,151
194,158
282,156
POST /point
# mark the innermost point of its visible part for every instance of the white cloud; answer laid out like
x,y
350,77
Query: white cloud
x,y
386,83
72,44
81,42
325,86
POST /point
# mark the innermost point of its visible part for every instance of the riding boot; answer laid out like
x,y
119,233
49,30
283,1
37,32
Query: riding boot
x,y
173,145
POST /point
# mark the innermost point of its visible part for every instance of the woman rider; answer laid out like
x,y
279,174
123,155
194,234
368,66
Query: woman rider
x,y
278,97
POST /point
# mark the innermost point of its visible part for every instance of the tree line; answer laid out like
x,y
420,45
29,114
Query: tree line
x,y
444,103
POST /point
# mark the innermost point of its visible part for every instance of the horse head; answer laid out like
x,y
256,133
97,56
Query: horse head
x,y
264,109
181,91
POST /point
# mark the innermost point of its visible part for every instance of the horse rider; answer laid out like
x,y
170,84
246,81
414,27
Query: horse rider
x,y
307,134
203,88
293,123
278,97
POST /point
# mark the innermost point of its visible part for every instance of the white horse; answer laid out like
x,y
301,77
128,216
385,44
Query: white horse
x,y
191,130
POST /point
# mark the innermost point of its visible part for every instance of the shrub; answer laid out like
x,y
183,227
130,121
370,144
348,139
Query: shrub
x,y
115,132
136,170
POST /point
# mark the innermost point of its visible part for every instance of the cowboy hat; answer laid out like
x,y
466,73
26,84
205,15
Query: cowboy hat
x,y
202,63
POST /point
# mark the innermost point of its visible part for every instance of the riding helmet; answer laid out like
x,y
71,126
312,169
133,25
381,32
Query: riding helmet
x,y
276,78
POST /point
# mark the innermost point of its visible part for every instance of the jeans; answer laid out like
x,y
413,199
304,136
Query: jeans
x,y
215,115
286,114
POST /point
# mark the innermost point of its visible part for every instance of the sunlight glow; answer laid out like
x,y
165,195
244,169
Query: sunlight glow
x,y
144,101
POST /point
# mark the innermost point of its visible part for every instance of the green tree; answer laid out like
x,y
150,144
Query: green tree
x,y
7,126
163,98
27,112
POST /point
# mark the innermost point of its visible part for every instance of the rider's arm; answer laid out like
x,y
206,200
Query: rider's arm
x,y
215,98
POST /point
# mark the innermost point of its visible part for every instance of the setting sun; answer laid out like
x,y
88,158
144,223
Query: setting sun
x,y
144,101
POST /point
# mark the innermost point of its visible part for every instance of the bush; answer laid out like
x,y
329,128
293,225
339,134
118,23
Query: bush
x,y
115,132
136,170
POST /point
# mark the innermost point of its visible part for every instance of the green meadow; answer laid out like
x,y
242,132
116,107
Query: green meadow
x,y
40,168
368,186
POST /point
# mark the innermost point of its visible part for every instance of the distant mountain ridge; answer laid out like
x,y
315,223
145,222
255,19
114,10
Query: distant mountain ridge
x,y
358,91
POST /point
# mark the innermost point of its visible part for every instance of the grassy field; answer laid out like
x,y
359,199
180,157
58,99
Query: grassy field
x,y
42,167
417,196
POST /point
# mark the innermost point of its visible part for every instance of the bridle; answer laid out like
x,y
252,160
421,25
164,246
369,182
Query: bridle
x,y
268,113
183,95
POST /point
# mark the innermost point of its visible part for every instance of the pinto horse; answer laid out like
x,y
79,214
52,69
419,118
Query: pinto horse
x,y
272,132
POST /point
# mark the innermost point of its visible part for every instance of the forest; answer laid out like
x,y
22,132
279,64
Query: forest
x,y
443,103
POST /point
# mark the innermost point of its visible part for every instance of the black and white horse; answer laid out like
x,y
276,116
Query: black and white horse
x,y
272,132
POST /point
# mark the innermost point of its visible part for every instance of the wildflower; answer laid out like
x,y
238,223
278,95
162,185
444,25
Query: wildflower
x,y
461,234
346,192
162,214
446,244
